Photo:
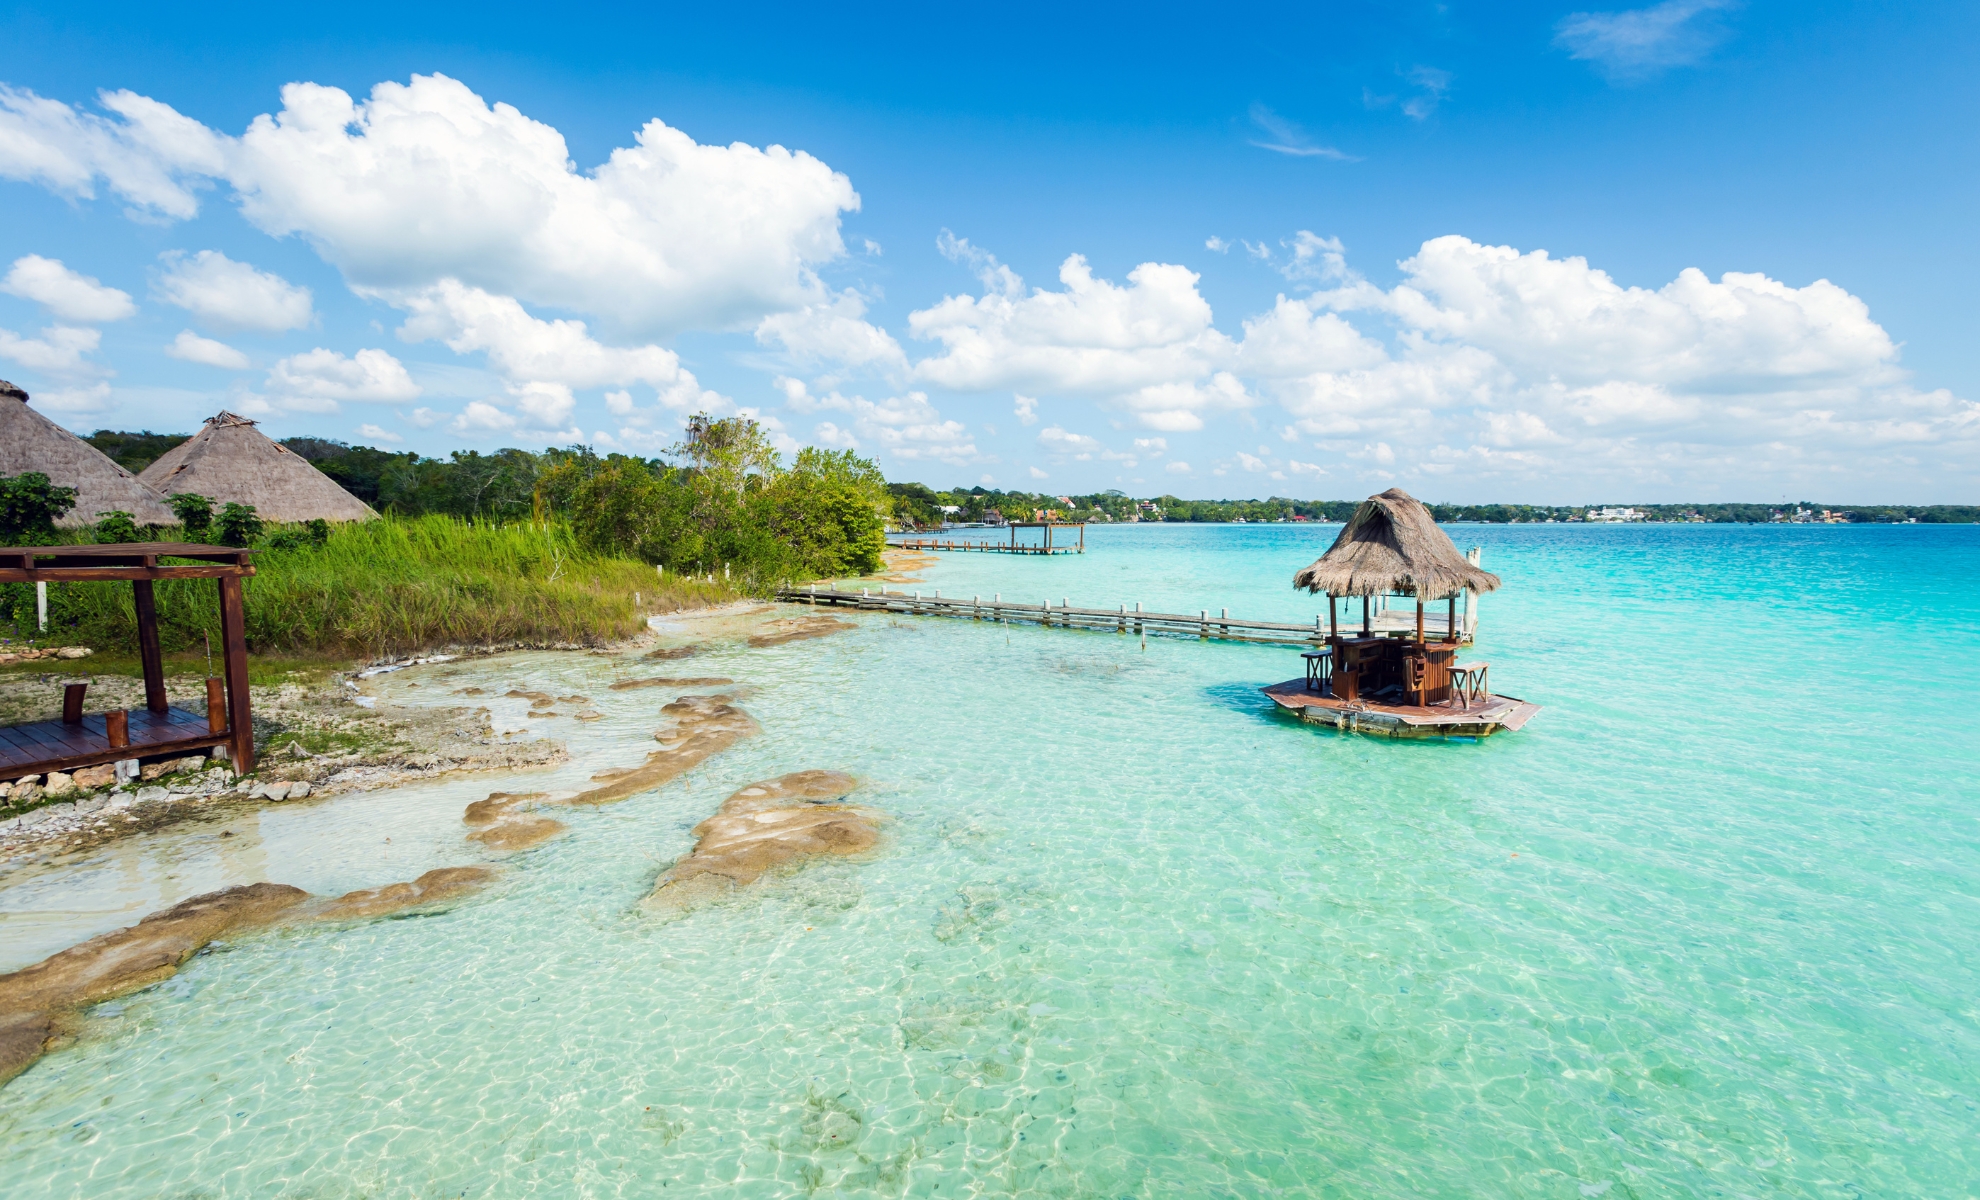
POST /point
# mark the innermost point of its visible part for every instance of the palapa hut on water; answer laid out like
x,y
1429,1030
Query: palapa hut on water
x,y
229,461
1400,685
32,442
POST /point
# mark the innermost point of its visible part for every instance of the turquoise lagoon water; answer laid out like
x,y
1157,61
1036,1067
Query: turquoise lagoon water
x,y
1707,927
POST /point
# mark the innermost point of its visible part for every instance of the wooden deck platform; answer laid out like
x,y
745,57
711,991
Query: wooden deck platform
x,y
58,746
1446,720
1220,626
979,544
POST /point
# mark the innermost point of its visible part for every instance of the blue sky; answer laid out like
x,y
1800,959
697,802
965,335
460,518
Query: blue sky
x,y
1558,253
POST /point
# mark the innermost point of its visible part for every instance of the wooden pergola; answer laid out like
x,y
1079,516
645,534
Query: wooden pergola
x,y
158,730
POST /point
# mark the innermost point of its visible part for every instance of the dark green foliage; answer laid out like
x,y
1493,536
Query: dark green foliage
x,y
118,526
318,530
134,451
195,512
238,525
735,507
29,508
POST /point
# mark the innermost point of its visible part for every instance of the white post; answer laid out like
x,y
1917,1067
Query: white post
x,y
1472,556
41,606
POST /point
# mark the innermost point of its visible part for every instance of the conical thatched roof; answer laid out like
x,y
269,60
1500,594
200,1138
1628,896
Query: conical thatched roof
x,y
1392,546
231,462
32,442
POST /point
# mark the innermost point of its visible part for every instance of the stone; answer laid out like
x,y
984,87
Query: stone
x,y
181,765
151,771
497,806
518,833
90,804
59,784
519,694
118,803
97,777
442,883
673,652
703,726
298,789
73,652
792,629
28,779
589,714
763,826
6,789
152,795
127,770
626,685
33,818
34,999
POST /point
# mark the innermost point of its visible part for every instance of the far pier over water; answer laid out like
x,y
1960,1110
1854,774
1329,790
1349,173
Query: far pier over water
x,y
1044,544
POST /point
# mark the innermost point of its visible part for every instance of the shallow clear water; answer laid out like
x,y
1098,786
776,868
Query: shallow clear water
x,y
1707,926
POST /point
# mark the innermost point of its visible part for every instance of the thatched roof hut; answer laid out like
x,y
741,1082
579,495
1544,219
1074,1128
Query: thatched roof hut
x,y
1392,546
32,442
229,461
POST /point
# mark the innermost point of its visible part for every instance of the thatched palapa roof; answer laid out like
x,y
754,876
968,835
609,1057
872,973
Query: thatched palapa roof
x,y
229,461
1392,546
32,442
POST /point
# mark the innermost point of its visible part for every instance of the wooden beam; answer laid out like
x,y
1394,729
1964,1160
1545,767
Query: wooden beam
x,y
240,715
14,574
149,654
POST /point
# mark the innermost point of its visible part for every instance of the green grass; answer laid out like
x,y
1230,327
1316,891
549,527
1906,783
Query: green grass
x,y
388,587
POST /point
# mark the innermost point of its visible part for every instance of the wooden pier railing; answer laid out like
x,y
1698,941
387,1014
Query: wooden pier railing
x,y
979,544
1219,627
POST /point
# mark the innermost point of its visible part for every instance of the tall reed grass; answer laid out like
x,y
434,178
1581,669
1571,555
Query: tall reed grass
x,y
399,586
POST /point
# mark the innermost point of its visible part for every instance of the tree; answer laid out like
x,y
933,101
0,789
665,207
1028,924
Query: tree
x,y
118,526
195,512
29,507
238,524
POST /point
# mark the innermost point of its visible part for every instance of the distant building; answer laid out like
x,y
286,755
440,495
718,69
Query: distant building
x,y
1616,515
230,461
32,442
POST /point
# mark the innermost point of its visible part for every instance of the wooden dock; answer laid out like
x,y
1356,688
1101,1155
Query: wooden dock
x,y
42,746
1220,626
979,545
1445,719
1013,546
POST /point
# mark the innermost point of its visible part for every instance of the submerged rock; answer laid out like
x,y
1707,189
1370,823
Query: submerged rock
x,y
626,685
442,883
791,629
498,805
34,1000
763,826
518,833
703,726
668,652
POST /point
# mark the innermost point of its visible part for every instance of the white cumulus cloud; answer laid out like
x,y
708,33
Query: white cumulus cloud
x,y
378,433
905,427
225,294
425,180
190,347
60,350
69,295
1149,349
152,156
317,380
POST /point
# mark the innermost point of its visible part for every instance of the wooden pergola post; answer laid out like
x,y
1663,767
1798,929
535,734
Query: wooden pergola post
x,y
1419,620
233,633
150,656
1367,629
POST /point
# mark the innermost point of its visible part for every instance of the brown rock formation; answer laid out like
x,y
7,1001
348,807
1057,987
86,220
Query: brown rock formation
x,y
626,685
518,833
763,826
34,1001
498,805
667,652
791,629
703,726
442,883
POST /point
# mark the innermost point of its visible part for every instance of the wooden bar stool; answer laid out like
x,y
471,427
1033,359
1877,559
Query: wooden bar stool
x,y
1468,683
1319,667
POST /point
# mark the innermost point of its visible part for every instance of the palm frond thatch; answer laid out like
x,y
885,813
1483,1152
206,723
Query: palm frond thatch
x,y
30,441
1392,546
230,461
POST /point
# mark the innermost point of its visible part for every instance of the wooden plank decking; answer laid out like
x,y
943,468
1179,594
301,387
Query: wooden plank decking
x,y
43,746
1448,719
1220,626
